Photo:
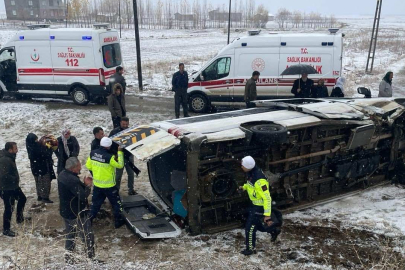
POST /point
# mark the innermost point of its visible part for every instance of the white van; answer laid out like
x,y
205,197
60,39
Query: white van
x,y
222,80
49,62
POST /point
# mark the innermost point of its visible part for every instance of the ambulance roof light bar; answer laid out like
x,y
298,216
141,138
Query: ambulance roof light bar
x,y
38,26
101,26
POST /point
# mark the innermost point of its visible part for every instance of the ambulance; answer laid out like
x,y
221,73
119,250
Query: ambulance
x,y
60,62
221,81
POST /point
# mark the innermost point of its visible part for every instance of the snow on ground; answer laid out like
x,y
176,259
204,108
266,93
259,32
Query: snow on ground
x,y
351,233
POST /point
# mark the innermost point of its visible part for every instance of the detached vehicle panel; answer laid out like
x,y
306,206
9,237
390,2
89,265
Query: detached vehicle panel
x,y
310,149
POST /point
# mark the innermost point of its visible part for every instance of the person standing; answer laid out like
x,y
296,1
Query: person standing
x,y
339,90
10,187
250,90
128,161
385,88
302,87
73,196
180,86
118,77
40,156
102,164
98,133
68,146
116,105
320,90
259,214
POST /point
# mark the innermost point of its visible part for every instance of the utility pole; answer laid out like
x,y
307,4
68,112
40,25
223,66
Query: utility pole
x,y
374,35
67,12
229,20
119,14
138,46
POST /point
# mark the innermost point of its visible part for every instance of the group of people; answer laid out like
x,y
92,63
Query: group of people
x,y
105,163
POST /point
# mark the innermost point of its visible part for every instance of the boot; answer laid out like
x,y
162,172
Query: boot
x,y
9,233
46,200
248,252
119,223
39,198
132,192
21,220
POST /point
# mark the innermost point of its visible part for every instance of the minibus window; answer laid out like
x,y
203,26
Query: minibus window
x,y
217,70
112,55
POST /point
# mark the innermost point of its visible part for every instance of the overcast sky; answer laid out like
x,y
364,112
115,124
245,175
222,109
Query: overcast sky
x,y
327,7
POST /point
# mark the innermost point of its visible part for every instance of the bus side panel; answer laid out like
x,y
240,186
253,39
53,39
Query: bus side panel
x,y
264,60
34,66
73,63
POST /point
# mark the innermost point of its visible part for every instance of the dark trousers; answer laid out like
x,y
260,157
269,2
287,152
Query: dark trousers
x,y
99,195
116,121
254,223
250,105
9,197
130,172
81,226
180,97
43,185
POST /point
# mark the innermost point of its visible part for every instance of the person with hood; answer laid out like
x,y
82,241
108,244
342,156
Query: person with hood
x,y
116,105
10,187
250,90
118,77
385,89
302,87
261,216
320,91
40,156
68,146
338,90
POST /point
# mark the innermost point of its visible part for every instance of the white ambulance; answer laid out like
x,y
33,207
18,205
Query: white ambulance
x,y
49,62
222,80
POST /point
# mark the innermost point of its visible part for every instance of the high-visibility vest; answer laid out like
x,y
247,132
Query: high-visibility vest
x,y
258,190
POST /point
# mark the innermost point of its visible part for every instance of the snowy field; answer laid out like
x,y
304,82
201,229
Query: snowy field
x,y
359,232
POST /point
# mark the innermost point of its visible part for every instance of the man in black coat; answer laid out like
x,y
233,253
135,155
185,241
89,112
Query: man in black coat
x,y
98,135
302,87
118,77
10,187
128,161
41,162
68,146
180,86
73,196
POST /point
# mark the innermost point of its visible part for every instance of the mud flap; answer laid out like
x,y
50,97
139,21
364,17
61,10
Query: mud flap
x,y
146,220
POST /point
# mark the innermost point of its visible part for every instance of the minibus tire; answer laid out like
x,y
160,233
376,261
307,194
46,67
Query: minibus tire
x,y
269,134
198,99
80,96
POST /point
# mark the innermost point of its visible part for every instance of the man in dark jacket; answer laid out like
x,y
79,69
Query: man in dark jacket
x,y
320,91
116,105
98,135
10,187
73,202
128,161
250,90
118,77
40,156
68,146
302,87
180,86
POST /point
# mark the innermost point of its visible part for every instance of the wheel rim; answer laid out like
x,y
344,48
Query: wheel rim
x,y
198,103
80,96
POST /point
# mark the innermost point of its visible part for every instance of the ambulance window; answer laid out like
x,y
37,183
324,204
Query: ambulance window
x,y
112,55
7,55
217,70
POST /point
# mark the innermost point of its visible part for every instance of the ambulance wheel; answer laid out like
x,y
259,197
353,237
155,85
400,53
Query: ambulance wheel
x,y
198,103
80,96
269,133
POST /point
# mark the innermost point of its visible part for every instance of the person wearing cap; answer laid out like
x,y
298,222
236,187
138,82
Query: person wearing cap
x,y
180,86
259,213
102,163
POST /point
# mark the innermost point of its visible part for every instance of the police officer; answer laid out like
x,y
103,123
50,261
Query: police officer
x,y
259,214
180,86
102,163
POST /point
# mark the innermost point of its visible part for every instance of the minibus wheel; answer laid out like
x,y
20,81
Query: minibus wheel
x,y
80,96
